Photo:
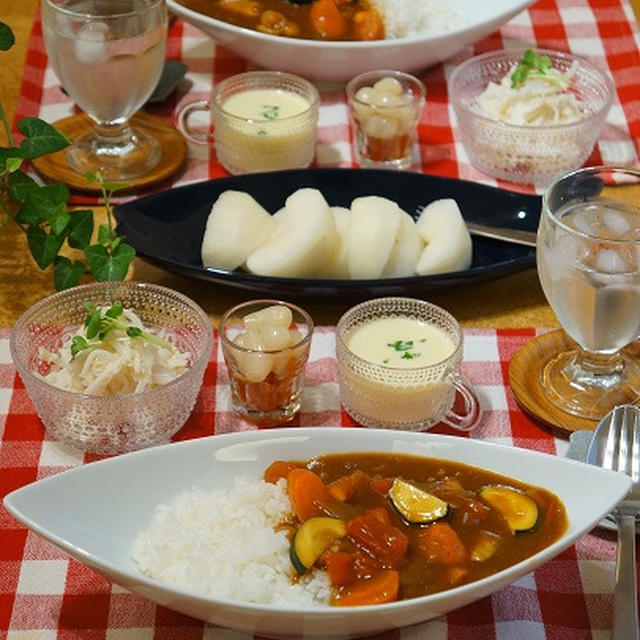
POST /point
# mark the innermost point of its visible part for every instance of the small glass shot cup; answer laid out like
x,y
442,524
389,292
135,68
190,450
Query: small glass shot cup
x,y
266,360
384,107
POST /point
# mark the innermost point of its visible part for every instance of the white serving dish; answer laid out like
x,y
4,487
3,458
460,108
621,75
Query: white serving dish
x,y
341,60
95,512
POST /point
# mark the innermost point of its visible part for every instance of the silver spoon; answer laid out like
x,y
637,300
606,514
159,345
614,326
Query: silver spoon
x,y
615,445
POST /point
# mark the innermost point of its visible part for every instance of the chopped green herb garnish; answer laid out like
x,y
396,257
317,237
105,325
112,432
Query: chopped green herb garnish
x,y
404,347
401,345
385,361
100,322
530,65
262,132
270,111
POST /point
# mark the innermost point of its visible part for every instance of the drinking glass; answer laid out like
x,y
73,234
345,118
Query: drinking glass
x,y
588,255
108,55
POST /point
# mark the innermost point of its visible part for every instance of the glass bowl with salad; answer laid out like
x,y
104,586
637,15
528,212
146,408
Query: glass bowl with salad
x,y
528,115
113,366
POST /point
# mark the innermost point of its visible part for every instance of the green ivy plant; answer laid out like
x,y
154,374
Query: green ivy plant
x,y
42,211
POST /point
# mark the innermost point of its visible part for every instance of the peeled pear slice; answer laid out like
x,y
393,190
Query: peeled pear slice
x,y
449,246
406,249
236,226
373,225
302,240
338,263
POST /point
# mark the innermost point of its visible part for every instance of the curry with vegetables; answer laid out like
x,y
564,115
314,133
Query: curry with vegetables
x,y
311,19
389,527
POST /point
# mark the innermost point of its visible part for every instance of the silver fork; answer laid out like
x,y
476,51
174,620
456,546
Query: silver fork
x,y
615,445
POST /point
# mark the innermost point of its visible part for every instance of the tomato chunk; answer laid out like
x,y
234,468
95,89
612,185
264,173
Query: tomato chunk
x,y
440,543
373,532
384,586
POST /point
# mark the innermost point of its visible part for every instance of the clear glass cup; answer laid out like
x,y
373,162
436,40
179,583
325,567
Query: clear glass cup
x,y
266,364
588,260
108,55
263,121
384,107
411,398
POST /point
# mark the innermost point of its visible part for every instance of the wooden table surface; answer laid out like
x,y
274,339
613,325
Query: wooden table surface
x,y
512,301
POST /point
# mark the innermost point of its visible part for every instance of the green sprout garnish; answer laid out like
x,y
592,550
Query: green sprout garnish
x,y
99,323
270,111
530,66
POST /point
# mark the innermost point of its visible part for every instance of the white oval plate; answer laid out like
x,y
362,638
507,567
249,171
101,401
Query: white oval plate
x,y
95,512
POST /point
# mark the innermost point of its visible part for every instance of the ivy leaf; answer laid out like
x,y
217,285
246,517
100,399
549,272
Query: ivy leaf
x,y
109,267
13,164
7,39
43,204
40,138
60,221
105,234
66,274
44,246
80,228
21,184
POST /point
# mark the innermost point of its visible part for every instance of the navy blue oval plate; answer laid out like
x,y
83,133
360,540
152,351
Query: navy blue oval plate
x,y
167,227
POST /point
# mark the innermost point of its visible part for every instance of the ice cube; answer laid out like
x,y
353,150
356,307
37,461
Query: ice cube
x,y
615,222
609,261
91,43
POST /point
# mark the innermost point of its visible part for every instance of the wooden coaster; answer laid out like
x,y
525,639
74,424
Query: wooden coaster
x,y
524,377
174,152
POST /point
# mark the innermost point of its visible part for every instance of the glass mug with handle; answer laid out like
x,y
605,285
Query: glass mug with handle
x,y
399,366
262,121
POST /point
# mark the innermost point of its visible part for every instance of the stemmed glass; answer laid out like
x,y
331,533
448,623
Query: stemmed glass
x,y
108,55
588,255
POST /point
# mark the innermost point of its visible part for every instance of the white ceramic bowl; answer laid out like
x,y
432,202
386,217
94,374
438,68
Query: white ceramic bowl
x,y
523,153
119,423
100,533
338,60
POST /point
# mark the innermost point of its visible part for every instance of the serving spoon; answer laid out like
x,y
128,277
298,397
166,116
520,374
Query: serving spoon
x,y
615,445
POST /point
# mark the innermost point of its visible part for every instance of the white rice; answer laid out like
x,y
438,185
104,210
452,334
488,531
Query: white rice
x,y
223,544
403,18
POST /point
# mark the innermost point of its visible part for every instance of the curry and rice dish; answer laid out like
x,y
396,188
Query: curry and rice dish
x,y
356,20
348,530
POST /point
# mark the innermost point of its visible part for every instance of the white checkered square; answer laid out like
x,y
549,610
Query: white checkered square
x,y
433,630
597,576
32,634
520,629
42,577
211,632
333,154
481,348
58,454
5,355
492,397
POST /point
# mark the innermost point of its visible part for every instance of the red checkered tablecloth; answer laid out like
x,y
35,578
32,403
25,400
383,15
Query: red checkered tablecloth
x,y
45,595
603,31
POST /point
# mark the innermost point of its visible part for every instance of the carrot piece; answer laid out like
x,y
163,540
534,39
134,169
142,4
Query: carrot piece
x,y
368,25
308,494
381,587
381,485
340,567
454,574
327,19
344,488
279,469
440,543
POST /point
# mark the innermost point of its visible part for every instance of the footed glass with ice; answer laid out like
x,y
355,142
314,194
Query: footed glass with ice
x,y
588,256
108,55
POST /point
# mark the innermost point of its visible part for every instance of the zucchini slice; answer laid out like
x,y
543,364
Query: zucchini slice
x,y
518,509
312,538
415,505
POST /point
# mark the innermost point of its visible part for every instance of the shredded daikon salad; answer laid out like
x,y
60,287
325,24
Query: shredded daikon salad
x,y
540,99
116,357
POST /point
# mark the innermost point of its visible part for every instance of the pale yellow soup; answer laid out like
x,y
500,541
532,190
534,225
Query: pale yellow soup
x,y
400,342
